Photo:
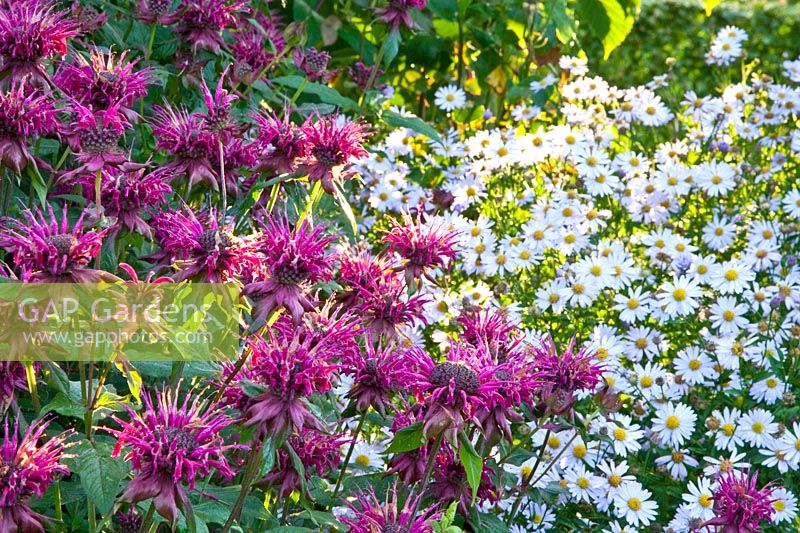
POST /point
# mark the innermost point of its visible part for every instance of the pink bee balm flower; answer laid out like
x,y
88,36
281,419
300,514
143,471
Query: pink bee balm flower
x,y
200,248
201,22
48,250
32,31
27,469
25,114
255,47
103,80
384,304
377,373
421,246
314,64
370,514
295,259
94,136
126,193
172,443
456,389
279,143
333,145
398,13
295,363
153,11
561,376
318,453
739,505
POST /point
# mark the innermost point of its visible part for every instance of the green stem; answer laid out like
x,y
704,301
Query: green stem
x,y
223,185
343,468
92,515
148,519
316,194
253,464
432,453
150,42
57,501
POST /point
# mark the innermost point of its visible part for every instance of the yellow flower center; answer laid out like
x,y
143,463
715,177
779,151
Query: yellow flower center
x,y
704,500
583,483
554,442
362,459
779,505
758,428
672,422
728,429
620,434
694,364
679,294
646,382
615,480
728,315
579,451
731,275
634,504
633,303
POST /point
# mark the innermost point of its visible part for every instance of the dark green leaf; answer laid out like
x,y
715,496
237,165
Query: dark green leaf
x,y
323,92
411,122
407,439
472,463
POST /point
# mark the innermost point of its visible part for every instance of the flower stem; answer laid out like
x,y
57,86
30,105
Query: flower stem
x,y
251,468
343,469
527,479
148,519
150,42
432,453
223,185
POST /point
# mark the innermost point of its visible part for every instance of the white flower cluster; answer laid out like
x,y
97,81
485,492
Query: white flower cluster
x,y
664,233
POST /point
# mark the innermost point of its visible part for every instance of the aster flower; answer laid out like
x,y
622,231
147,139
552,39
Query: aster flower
x,y
24,115
48,250
172,443
398,13
377,372
422,247
333,146
318,453
293,364
201,249
279,143
94,136
31,32
126,193
201,22
103,80
27,469
295,259
314,64
456,389
740,506
371,514
561,376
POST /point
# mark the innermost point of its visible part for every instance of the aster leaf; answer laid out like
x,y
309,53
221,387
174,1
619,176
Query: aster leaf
x,y
407,439
472,463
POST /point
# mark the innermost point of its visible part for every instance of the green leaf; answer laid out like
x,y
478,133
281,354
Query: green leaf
x,y
608,21
411,122
390,47
323,92
407,439
472,463
101,475
346,209
710,5
63,405
268,455
297,464
564,24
